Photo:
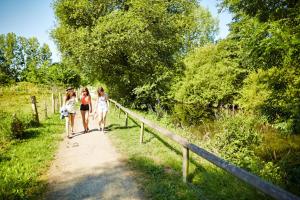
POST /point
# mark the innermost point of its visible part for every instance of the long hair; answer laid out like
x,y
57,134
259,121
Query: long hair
x,y
85,89
100,89
70,94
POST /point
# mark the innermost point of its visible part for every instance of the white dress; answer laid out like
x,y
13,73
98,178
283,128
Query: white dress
x,y
102,104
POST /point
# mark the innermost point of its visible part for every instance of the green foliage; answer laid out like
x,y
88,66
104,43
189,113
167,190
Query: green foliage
x,y
157,165
267,33
209,79
25,162
23,59
237,139
274,93
17,128
237,142
132,46
25,149
15,100
62,74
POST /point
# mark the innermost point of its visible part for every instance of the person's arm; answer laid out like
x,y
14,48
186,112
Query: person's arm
x,y
107,101
90,100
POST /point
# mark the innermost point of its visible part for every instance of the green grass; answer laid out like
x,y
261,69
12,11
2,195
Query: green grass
x,y
15,99
157,164
23,163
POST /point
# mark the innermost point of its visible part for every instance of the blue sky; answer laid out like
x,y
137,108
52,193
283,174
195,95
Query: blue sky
x,y
30,18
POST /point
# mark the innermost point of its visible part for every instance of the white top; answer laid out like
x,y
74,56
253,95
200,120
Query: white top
x,y
102,100
71,105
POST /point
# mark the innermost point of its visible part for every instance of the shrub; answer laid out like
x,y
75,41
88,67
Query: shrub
x,y
274,94
237,140
237,143
17,128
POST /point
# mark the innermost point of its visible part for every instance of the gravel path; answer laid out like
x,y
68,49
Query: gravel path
x,y
88,167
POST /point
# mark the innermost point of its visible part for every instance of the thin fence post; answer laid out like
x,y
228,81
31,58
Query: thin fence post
x,y
45,107
126,120
142,133
53,103
60,100
185,163
34,109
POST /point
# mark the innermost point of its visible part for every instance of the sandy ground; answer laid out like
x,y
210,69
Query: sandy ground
x,y
88,167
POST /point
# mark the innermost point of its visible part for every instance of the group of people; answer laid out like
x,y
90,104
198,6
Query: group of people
x,y
100,112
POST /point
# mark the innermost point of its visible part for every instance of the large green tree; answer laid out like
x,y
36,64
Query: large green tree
x,y
10,58
131,45
268,33
24,59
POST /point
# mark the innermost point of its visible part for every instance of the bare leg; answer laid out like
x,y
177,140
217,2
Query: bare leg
x,y
72,117
100,119
87,113
83,118
103,121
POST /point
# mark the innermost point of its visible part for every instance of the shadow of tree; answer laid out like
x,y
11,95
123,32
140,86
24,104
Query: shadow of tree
x,y
111,182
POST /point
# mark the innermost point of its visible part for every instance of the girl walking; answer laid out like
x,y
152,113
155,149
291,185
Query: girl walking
x,y
70,102
85,108
102,108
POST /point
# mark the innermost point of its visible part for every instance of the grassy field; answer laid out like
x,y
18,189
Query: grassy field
x,y
16,100
24,161
157,164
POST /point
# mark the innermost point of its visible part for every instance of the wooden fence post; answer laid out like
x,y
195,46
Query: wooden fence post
x,y
60,100
142,133
185,163
45,106
53,103
126,120
34,109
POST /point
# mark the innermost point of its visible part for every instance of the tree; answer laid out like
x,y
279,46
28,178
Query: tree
x,y
62,75
131,45
267,33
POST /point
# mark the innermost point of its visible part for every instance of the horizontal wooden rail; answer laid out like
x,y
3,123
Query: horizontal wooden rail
x,y
249,178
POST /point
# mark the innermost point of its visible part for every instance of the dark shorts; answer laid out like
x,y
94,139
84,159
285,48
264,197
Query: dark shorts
x,y
84,107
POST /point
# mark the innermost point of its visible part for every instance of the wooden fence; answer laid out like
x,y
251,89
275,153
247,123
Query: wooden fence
x,y
56,101
249,178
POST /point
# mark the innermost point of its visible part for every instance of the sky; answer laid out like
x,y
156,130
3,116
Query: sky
x,y
35,18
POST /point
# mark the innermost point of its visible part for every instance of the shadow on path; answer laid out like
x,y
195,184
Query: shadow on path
x,y
111,182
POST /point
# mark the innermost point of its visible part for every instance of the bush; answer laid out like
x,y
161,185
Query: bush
x,y
237,140
17,128
237,143
14,127
274,94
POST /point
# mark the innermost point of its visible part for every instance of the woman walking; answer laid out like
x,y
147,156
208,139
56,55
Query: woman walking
x,y
85,108
70,102
102,108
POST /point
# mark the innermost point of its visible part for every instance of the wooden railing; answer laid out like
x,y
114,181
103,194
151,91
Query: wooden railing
x,y
247,177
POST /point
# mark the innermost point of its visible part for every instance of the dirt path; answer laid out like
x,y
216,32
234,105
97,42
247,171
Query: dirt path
x,y
88,167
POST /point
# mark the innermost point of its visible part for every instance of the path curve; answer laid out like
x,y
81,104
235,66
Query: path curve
x,y
88,167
